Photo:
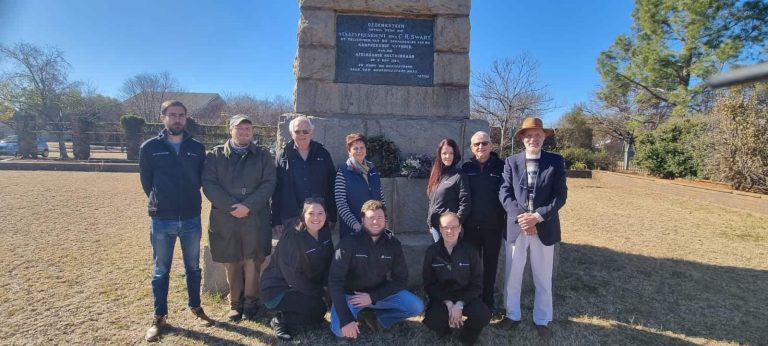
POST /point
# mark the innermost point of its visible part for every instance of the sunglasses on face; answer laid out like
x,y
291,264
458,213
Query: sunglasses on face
x,y
478,144
301,132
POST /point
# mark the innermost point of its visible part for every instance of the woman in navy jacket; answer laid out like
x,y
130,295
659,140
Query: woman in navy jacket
x,y
448,186
357,181
293,282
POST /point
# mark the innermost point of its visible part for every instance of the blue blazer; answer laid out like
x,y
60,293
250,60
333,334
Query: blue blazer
x,y
549,196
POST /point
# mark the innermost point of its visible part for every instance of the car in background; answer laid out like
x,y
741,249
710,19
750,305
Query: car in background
x,y
10,146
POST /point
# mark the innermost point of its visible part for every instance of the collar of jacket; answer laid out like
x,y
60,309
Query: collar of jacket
x,y
493,156
228,148
369,163
164,133
290,147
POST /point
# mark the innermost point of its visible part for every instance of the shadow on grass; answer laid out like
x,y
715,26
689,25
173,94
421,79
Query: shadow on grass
x,y
667,295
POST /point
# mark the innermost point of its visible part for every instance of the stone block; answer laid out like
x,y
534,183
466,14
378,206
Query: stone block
x,y
326,98
315,63
407,204
452,69
317,28
453,7
414,247
452,34
214,274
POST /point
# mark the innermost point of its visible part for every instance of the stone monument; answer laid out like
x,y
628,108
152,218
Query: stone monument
x,y
398,68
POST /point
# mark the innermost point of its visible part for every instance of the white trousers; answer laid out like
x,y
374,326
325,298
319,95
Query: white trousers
x,y
516,251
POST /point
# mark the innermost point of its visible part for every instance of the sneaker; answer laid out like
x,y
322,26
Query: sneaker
x,y
201,318
281,329
154,331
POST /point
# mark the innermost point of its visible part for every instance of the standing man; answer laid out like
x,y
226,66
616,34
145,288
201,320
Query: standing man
x,y
369,271
532,193
485,225
170,166
239,179
304,169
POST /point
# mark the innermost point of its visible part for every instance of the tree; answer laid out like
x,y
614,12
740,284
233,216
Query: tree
x,y
574,129
264,111
507,93
658,70
35,85
736,148
145,92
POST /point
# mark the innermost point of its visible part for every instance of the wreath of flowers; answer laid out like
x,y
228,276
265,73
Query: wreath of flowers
x,y
385,154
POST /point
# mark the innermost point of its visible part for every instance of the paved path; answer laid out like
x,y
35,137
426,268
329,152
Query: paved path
x,y
750,203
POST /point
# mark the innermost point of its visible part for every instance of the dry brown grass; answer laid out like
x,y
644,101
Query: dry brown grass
x,y
638,266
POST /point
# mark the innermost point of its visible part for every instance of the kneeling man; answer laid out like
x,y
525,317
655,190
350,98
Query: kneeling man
x,y
369,271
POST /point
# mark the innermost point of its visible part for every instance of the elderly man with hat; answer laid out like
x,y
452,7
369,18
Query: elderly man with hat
x,y
532,193
238,179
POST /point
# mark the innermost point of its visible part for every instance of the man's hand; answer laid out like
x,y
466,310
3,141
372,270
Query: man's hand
x,y
360,299
239,211
277,231
527,222
454,316
357,227
351,330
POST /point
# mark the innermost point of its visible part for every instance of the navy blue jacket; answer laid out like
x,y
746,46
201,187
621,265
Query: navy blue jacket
x,y
287,201
351,191
172,181
487,212
549,195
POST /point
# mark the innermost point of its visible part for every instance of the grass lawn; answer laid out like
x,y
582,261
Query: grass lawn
x,y
636,267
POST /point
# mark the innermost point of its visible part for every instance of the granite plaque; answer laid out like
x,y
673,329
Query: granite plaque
x,y
384,50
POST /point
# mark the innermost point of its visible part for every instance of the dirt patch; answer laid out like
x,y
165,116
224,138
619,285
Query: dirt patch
x,y
638,267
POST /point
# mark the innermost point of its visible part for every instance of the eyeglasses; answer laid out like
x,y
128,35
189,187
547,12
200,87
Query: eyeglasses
x,y
478,144
301,132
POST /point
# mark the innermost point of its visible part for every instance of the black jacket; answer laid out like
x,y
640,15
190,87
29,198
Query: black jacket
x,y
484,185
172,182
456,276
300,262
450,194
361,265
286,201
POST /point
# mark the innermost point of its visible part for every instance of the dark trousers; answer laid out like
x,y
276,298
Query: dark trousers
x,y
301,309
488,244
478,316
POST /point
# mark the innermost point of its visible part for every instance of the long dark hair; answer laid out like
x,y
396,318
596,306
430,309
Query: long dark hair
x,y
437,166
302,225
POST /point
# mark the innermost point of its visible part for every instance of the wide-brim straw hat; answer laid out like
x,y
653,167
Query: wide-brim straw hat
x,y
533,123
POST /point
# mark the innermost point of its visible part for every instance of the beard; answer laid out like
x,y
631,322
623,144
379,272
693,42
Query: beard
x,y
176,129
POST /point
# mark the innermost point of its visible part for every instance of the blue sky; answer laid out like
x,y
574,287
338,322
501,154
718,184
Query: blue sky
x,y
233,47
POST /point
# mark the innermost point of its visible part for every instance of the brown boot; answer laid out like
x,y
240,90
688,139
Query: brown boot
x,y
158,323
201,318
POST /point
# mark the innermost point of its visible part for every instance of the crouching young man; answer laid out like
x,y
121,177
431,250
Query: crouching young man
x,y
369,271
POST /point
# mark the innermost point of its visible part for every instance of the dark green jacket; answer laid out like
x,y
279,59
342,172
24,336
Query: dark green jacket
x,y
229,179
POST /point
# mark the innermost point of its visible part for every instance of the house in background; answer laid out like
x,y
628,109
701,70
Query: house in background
x,y
205,108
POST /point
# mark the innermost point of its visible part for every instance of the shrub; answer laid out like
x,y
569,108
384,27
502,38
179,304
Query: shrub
x,y
385,154
573,155
578,166
605,160
416,166
133,127
668,151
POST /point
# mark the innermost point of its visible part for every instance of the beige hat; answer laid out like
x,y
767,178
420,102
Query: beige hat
x,y
533,123
237,119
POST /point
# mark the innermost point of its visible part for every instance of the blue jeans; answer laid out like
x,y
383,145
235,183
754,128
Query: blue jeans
x,y
389,310
162,235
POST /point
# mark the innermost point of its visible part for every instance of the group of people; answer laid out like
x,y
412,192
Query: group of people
x,y
302,196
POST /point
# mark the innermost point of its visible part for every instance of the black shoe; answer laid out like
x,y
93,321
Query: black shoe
x,y
467,337
250,308
544,332
507,324
281,329
368,318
